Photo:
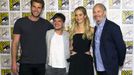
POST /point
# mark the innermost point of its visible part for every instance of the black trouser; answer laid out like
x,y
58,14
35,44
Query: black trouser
x,y
32,69
55,71
102,73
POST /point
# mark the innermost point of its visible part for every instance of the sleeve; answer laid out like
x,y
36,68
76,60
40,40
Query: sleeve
x,y
47,37
67,46
50,26
120,44
17,28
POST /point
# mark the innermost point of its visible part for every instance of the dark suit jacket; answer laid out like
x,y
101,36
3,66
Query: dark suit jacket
x,y
112,47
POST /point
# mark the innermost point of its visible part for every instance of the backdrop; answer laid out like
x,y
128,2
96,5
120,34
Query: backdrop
x,y
119,11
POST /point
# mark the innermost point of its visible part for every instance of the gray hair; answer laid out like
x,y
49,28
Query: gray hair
x,y
100,5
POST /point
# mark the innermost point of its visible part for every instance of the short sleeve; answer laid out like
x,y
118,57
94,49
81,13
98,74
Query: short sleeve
x,y
17,27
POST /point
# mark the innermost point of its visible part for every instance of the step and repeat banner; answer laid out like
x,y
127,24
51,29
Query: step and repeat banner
x,y
119,11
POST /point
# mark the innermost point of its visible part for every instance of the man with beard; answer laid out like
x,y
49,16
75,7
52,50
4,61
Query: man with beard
x,y
30,32
109,48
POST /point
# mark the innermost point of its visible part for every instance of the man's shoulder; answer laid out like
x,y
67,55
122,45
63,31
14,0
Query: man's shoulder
x,y
112,24
46,23
44,20
50,31
66,33
22,19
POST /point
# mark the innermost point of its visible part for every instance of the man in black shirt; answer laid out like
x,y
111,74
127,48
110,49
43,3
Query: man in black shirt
x,y
30,32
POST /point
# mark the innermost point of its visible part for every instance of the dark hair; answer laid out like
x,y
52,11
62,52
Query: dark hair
x,y
59,15
38,1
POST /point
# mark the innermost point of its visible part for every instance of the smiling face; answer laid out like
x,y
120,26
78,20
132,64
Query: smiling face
x,y
36,9
79,16
98,13
58,23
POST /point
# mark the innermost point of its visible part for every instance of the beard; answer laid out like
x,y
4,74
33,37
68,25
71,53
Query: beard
x,y
35,15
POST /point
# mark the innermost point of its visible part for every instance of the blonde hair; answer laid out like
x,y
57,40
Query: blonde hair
x,y
88,30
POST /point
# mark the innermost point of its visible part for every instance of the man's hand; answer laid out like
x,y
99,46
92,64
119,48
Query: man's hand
x,y
14,68
120,67
73,52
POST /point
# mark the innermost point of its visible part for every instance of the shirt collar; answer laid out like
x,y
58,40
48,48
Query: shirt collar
x,y
101,23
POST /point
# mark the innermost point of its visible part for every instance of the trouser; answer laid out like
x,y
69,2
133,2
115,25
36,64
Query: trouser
x,y
101,73
32,69
55,71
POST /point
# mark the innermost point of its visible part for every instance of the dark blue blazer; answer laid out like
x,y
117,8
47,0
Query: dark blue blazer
x,y
112,47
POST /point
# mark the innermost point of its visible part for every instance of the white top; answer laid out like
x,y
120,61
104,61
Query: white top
x,y
57,56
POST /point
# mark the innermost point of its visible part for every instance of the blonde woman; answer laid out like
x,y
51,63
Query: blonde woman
x,y
81,33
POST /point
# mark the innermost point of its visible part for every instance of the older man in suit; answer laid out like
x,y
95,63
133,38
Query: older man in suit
x,y
108,46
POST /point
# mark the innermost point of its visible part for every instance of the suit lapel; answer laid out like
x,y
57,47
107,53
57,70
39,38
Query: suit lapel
x,y
94,36
104,30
